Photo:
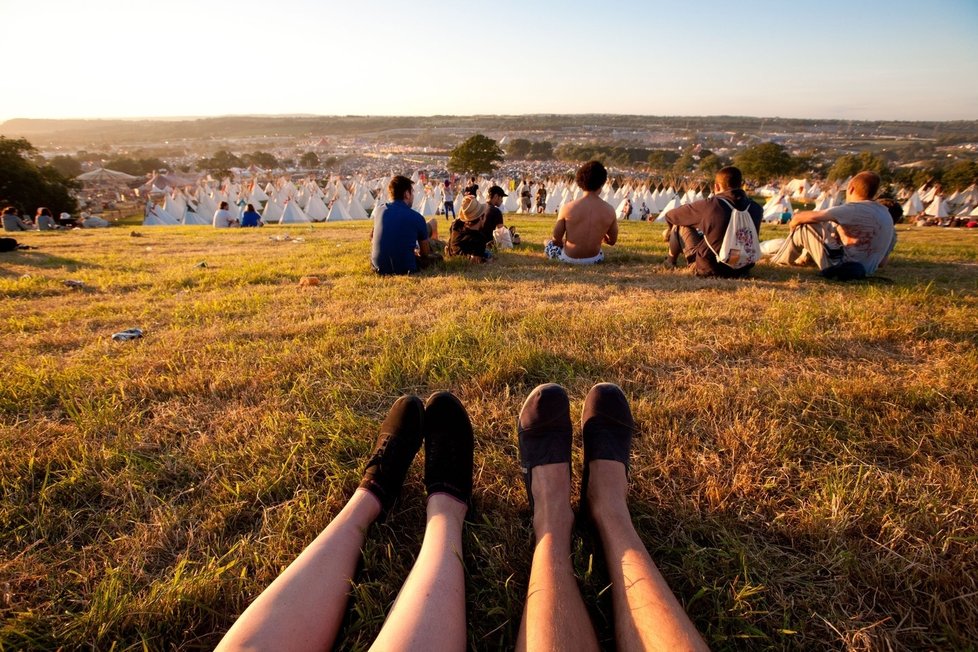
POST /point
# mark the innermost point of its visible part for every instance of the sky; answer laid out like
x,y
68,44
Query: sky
x,y
850,59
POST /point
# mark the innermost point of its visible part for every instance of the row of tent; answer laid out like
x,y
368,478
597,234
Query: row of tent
x,y
282,201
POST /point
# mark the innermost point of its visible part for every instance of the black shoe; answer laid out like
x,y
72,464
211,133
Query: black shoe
x,y
448,447
397,444
607,427
544,430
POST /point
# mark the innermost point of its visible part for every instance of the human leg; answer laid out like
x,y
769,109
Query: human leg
x,y
647,614
683,239
429,613
554,617
804,239
302,609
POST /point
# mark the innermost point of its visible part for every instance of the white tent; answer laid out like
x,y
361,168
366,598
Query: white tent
x,y
292,214
913,206
191,218
937,208
159,217
316,210
272,212
355,209
338,213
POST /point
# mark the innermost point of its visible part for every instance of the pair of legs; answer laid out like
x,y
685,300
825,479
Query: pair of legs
x,y
449,208
807,243
647,615
304,607
683,239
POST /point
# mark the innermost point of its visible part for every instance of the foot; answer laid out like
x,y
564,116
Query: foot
x,y
397,444
608,427
669,263
544,430
448,447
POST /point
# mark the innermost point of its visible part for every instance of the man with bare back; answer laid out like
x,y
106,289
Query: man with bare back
x,y
583,224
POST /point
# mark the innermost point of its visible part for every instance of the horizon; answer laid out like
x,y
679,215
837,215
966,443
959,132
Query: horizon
x,y
870,62
179,118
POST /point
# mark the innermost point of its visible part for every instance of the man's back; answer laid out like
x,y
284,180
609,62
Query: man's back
x,y
866,230
587,221
396,230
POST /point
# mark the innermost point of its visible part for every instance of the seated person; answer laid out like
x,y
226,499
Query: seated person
x,y
44,220
223,218
92,222
859,231
12,221
494,216
436,244
583,224
397,229
467,237
251,218
697,229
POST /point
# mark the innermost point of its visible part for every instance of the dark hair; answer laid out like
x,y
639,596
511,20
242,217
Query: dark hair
x,y
894,207
9,209
224,205
399,186
866,184
44,211
591,176
729,178
250,208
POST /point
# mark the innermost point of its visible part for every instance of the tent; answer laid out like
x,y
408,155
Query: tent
x,y
292,214
104,177
156,216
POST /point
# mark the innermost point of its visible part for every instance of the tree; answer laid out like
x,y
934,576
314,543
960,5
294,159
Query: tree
x,y
960,175
662,159
135,167
685,162
28,186
849,165
542,151
476,155
518,148
765,162
66,165
219,166
309,160
262,160
710,164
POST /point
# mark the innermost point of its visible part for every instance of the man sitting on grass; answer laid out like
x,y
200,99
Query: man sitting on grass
x,y
847,241
583,224
396,230
697,229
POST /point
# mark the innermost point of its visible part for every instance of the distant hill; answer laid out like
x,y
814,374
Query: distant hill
x,y
80,132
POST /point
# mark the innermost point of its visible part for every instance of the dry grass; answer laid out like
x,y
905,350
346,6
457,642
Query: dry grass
x,y
805,476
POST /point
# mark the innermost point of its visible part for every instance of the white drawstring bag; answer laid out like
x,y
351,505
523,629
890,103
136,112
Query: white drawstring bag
x,y
740,246
503,237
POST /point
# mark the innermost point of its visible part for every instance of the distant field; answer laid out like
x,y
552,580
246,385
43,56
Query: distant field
x,y
805,475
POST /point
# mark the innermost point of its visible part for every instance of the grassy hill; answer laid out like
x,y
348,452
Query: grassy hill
x,y
805,475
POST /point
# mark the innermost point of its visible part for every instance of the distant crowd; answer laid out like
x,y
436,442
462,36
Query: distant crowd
x,y
44,221
717,236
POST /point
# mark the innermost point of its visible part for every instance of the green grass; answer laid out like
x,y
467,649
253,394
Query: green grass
x,y
805,475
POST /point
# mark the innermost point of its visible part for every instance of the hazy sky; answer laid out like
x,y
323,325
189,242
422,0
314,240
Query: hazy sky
x,y
861,59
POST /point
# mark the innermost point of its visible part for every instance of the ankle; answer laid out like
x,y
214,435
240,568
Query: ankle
x,y
607,491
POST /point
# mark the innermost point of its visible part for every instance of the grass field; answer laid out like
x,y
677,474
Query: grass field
x,y
805,475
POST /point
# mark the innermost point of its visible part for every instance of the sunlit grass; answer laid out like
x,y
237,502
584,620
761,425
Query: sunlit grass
x,y
805,474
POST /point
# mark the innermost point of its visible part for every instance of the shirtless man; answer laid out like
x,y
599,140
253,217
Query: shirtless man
x,y
583,224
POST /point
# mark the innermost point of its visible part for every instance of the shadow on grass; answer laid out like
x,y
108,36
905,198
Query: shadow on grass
x,y
34,258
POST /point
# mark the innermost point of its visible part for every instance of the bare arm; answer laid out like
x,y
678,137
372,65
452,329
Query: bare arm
x,y
611,237
424,248
560,228
809,217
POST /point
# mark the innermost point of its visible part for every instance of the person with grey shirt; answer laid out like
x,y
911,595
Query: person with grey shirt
x,y
859,231
12,222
